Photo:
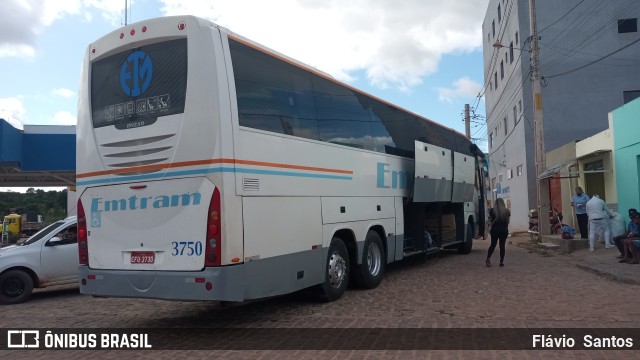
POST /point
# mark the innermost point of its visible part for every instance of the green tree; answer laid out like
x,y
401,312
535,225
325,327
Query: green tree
x,y
52,205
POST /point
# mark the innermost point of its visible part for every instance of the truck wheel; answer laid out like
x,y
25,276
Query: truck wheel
x,y
337,273
369,274
466,246
15,287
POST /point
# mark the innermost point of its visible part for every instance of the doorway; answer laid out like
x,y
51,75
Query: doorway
x,y
595,180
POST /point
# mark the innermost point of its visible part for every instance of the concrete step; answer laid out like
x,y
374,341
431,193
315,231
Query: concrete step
x,y
549,245
567,245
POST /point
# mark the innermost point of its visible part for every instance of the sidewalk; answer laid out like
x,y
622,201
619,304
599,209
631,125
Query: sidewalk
x,y
602,261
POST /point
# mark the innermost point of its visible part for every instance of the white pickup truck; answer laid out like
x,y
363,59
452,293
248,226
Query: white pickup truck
x,y
49,257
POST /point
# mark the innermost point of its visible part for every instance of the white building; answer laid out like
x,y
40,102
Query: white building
x,y
589,66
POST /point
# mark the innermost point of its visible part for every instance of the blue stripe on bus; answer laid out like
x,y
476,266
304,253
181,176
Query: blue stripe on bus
x,y
208,171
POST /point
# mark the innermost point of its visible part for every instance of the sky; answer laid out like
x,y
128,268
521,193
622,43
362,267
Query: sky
x,y
422,55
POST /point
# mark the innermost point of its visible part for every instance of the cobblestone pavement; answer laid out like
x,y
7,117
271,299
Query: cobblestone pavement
x,y
534,290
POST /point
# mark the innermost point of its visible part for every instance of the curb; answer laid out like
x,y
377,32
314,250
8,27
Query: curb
x,y
608,276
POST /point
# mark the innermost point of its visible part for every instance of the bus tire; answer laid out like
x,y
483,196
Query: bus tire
x,y
369,273
466,246
337,273
15,287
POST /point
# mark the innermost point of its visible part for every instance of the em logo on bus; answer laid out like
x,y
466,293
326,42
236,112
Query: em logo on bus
x,y
136,73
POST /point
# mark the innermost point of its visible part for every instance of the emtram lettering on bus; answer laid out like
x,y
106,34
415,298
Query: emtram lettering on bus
x,y
394,179
140,203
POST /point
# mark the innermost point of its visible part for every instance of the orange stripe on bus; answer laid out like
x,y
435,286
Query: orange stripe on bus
x,y
209,162
288,166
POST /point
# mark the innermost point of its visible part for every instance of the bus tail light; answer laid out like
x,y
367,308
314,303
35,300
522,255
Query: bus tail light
x,y
213,247
83,250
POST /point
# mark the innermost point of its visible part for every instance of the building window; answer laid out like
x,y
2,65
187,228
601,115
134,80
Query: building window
x,y
488,37
515,117
627,25
500,178
511,53
520,105
505,125
630,95
516,38
594,166
501,70
509,173
499,14
490,140
495,78
519,170
505,57
493,28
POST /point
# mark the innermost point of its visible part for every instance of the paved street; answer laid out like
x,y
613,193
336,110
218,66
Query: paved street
x,y
533,290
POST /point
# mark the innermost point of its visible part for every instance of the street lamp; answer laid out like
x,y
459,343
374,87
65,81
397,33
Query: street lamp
x,y
498,45
541,185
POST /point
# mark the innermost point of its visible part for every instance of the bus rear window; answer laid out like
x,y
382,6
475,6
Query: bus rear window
x,y
134,87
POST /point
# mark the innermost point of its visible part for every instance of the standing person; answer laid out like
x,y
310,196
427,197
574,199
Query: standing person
x,y
499,216
579,202
599,216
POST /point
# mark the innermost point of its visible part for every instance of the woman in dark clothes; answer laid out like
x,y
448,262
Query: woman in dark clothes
x,y
499,217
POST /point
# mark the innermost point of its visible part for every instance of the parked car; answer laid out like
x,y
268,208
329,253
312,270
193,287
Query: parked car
x,y
49,257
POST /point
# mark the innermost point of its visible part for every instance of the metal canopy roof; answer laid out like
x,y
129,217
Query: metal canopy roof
x,y
13,177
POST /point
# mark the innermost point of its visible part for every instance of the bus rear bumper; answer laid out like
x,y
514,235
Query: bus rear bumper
x,y
210,284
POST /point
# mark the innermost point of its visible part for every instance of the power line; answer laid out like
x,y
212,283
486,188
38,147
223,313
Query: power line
x,y
562,17
522,116
595,61
504,88
630,61
606,12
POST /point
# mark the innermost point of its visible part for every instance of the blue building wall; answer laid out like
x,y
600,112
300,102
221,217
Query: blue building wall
x,y
52,152
10,144
38,151
626,143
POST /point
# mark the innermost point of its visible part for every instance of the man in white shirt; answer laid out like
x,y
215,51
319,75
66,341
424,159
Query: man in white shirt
x,y
599,216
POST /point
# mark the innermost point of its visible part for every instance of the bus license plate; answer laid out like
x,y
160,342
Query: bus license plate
x,y
143,257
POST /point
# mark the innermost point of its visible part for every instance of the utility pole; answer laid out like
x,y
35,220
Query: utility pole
x,y
125,12
467,122
542,186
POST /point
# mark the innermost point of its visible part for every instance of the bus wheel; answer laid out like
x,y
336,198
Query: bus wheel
x,y
466,246
369,274
15,287
337,275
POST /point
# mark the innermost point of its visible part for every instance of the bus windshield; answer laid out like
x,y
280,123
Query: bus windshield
x,y
134,87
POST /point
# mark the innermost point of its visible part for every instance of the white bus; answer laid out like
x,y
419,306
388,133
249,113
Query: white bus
x,y
212,168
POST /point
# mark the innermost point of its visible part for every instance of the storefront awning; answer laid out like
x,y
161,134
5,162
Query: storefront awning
x,y
555,168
